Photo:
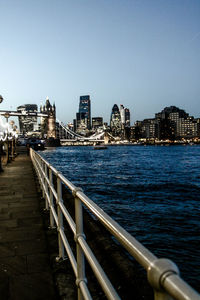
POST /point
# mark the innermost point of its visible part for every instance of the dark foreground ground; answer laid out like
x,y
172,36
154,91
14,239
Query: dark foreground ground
x,y
25,271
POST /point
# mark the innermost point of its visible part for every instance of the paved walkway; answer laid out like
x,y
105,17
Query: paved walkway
x,y
25,273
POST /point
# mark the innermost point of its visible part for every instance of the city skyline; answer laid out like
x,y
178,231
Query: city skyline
x,y
144,55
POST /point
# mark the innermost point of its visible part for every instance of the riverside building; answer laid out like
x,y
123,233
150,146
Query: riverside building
x,y
97,122
171,123
27,124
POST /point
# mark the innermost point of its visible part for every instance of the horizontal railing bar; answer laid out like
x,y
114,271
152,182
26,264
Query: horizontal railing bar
x,y
135,248
179,289
48,164
68,183
54,214
53,191
48,198
69,251
68,217
49,185
84,290
53,169
98,271
171,282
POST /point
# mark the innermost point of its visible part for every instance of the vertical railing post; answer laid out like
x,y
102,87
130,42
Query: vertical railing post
x,y
79,232
60,218
52,223
42,176
161,296
31,156
12,149
46,186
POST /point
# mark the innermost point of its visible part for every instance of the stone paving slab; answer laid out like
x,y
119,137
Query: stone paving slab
x,y
25,271
31,287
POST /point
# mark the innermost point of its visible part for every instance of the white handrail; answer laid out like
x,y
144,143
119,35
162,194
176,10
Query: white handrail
x,y
163,274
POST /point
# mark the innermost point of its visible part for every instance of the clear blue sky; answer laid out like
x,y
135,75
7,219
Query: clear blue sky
x,y
144,54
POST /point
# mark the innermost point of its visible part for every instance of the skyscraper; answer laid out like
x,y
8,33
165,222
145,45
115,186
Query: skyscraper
x,y
115,120
122,114
127,118
85,110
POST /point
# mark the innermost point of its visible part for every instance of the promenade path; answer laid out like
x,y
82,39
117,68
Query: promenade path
x,y
25,271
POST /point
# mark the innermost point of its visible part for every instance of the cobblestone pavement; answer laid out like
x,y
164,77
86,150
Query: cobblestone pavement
x,y
25,271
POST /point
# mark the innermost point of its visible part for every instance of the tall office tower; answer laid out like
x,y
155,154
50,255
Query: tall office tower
x,y
84,114
122,114
27,124
115,120
127,118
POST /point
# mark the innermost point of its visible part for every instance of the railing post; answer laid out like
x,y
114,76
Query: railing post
x,y
79,232
60,218
12,149
161,296
52,222
42,177
46,186
31,155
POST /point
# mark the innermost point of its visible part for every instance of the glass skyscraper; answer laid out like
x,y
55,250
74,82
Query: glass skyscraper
x,y
85,110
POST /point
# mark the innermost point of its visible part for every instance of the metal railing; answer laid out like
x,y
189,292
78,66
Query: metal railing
x,y
162,274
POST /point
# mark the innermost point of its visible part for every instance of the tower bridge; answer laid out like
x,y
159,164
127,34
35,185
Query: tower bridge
x,y
100,136
73,136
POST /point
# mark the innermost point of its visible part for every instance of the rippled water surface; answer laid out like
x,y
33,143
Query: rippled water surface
x,y
153,192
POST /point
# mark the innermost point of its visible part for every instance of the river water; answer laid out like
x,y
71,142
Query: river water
x,y
152,191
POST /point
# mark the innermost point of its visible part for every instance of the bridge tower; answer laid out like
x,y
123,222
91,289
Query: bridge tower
x,y
106,138
48,125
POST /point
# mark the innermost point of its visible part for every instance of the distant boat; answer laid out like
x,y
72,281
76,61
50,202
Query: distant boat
x,y
100,147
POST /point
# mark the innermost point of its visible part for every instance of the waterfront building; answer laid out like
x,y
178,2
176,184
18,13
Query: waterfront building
x,y
27,124
171,123
149,128
127,118
179,122
187,127
198,126
97,122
